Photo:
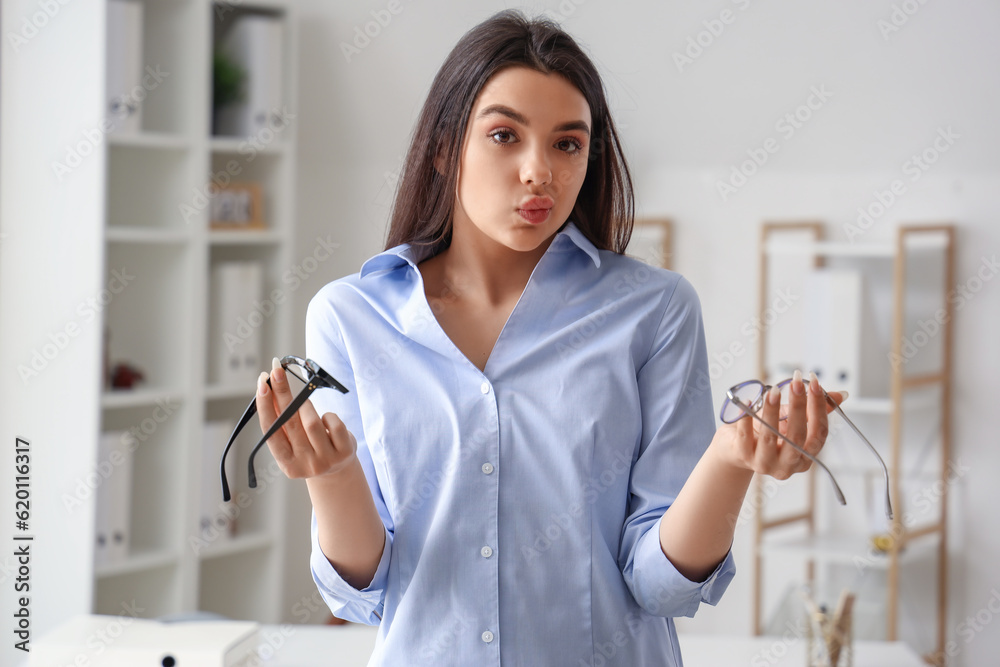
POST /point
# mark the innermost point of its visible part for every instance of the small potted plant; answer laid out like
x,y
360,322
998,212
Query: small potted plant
x,y
228,84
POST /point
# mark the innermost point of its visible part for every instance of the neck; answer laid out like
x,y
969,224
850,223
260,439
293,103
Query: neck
x,y
477,267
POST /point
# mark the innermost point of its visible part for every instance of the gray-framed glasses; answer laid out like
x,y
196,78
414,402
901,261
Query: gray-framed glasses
x,y
747,398
314,377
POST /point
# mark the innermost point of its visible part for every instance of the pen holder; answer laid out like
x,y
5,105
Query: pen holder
x,y
829,636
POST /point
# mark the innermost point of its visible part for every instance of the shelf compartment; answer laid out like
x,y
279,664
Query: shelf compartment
x,y
182,83
238,545
144,593
153,188
118,399
147,324
266,169
138,562
157,478
234,587
258,321
276,93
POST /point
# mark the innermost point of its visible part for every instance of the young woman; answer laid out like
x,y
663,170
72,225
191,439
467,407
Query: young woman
x,y
524,471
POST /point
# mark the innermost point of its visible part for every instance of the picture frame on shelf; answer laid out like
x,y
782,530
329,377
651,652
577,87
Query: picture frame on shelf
x,y
237,206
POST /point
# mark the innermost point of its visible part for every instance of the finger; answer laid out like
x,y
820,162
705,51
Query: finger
x,y
797,400
745,440
267,413
318,435
838,397
283,396
766,453
343,440
818,425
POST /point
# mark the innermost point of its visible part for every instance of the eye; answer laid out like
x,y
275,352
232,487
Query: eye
x,y
569,145
502,136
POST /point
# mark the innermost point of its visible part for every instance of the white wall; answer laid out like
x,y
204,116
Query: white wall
x,y
684,129
51,260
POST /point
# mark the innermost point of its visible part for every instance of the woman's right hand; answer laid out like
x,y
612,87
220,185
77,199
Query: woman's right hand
x,y
306,446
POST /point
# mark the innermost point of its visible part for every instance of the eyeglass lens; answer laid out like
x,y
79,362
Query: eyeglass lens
x,y
749,393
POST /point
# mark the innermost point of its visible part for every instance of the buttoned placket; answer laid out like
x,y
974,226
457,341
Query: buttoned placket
x,y
485,458
489,457
491,486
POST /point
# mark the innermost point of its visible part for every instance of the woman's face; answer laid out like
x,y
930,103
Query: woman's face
x,y
524,158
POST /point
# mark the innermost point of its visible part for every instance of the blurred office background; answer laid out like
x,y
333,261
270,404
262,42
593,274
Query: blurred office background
x,y
862,115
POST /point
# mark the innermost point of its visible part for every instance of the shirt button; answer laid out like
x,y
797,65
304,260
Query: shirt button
x,y
485,387
486,552
487,468
487,636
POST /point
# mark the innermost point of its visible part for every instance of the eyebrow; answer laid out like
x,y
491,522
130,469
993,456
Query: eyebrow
x,y
503,110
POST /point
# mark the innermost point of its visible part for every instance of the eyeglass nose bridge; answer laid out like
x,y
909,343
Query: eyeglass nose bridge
x,y
759,401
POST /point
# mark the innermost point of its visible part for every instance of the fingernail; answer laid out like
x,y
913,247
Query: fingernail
x,y
844,394
262,384
774,396
797,382
277,370
814,382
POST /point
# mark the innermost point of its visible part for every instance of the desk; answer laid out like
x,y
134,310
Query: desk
x,y
351,645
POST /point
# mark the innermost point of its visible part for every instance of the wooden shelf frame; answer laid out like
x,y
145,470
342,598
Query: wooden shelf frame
x,y
908,238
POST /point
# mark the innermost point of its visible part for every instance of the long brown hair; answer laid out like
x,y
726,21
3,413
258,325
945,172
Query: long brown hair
x,y
422,211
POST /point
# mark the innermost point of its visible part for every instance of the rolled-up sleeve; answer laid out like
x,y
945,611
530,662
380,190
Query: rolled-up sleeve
x,y
325,346
678,425
661,590
344,600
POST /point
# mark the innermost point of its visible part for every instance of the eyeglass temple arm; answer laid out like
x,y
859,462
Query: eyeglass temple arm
x,y
885,471
836,487
292,408
247,415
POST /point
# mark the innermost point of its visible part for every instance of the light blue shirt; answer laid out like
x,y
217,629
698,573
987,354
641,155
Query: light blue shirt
x,y
522,504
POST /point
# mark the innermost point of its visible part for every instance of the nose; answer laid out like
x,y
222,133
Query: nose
x,y
536,169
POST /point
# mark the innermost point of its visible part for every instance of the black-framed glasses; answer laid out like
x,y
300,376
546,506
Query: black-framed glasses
x,y
314,377
747,398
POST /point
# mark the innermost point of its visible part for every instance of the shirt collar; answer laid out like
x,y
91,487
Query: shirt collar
x,y
405,253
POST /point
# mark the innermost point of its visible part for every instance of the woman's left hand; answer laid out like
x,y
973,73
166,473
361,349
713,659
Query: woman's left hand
x,y
749,445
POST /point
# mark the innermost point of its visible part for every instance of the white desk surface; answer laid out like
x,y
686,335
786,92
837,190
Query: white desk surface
x,y
351,645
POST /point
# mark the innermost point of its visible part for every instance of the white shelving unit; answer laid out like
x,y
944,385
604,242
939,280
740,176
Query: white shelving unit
x,y
909,405
160,323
